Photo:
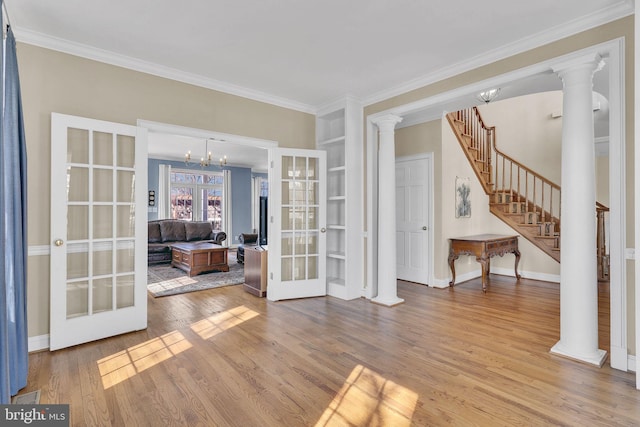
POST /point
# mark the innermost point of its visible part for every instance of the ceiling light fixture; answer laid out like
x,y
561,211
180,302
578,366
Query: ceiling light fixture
x,y
205,161
489,95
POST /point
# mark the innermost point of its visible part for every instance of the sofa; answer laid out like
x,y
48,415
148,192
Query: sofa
x,y
164,232
245,239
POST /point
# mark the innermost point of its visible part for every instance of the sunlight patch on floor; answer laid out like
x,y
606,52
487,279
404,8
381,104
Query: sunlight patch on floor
x,y
366,398
167,285
220,322
125,364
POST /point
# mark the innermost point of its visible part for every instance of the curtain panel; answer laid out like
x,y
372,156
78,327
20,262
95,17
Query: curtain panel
x,y
13,231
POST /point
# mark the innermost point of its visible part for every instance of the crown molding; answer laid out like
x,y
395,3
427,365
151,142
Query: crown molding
x,y
617,11
84,51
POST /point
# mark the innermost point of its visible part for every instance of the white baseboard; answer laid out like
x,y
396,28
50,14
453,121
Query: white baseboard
x,y
631,363
439,283
555,278
443,283
38,343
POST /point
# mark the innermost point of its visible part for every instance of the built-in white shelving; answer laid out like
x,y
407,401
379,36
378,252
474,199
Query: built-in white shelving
x,y
339,133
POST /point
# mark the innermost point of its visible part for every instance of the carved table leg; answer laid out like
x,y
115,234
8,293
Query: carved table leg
x,y
516,252
484,262
452,258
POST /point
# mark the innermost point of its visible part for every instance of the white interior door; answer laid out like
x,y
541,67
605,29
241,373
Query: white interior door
x,y
98,230
297,229
412,217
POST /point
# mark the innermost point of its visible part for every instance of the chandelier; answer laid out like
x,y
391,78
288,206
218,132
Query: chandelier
x,y
206,160
489,95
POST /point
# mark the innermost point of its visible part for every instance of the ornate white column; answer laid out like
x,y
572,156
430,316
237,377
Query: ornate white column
x,y
387,277
578,270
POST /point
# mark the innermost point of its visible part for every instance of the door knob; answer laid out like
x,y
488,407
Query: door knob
x,y
424,227
58,242
322,230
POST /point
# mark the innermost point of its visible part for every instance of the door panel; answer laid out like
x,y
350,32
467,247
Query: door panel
x,y
98,230
297,239
412,217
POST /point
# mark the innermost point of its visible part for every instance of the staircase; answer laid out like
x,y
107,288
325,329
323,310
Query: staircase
x,y
519,196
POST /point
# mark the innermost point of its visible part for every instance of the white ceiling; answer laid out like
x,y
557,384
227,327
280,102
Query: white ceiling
x,y
306,54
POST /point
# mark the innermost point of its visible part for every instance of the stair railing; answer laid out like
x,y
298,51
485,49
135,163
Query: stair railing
x,y
500,174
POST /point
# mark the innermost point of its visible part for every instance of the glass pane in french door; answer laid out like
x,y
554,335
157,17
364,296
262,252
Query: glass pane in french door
x,y
299,218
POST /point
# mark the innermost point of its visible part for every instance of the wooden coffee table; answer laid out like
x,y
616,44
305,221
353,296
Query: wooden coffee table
x,y
199,257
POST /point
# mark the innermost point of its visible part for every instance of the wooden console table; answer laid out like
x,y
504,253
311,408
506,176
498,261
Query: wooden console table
x,y
199,257
483,246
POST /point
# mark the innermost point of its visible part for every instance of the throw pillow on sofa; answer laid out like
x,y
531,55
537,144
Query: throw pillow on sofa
x,y
198,231
172,231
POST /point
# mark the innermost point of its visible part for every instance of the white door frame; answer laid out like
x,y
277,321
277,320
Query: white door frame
x,y
614,50
429,158
159,127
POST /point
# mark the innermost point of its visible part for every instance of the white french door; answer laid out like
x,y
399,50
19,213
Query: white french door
x,y
98,230
297,216
412,218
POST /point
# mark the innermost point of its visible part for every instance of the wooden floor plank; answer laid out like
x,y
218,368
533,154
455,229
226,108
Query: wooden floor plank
x,y
453,356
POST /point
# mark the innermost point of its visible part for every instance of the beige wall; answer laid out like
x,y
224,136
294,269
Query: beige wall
x,y
526,131
56,82
602,180
622,28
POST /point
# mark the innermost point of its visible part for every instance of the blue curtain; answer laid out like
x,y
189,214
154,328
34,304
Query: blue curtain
x,y
13,232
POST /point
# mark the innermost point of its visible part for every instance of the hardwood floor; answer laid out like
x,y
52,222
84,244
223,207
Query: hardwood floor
x,y
224,357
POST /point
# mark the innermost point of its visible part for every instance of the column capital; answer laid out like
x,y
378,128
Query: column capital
x,y
387,122
592,62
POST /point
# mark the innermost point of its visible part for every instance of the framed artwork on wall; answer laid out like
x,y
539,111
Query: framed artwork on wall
x,y
463,197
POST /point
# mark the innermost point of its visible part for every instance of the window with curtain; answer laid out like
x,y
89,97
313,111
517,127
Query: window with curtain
x,y
198,196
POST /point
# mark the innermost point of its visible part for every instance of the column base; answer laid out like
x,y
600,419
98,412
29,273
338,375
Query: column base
x,y
388,302
597,359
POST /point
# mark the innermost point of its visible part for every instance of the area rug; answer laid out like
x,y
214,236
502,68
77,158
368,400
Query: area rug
x,y
164,280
